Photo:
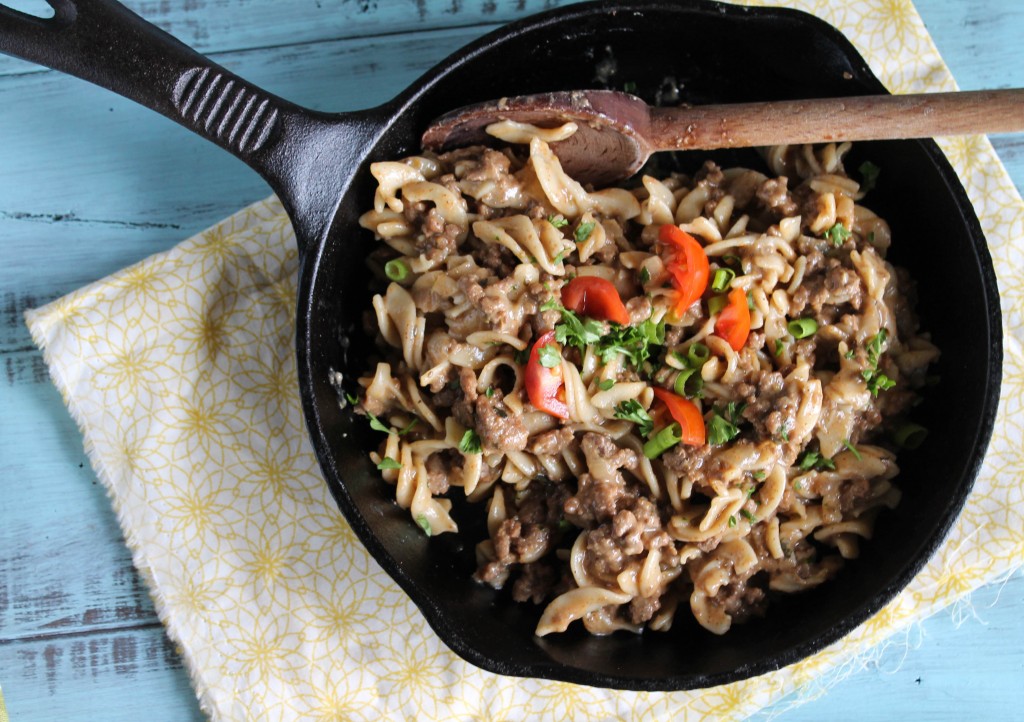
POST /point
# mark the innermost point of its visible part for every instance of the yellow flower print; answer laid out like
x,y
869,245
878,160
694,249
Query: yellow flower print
x,y
415,672
563,700
261,646
196,512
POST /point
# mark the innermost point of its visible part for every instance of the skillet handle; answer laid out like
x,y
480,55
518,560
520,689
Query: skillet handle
x,y
301,153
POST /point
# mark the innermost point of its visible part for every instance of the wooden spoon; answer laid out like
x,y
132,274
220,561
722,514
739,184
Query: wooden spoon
x,y
617,132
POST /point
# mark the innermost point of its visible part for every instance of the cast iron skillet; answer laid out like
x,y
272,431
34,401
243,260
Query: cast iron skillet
x,y
317,164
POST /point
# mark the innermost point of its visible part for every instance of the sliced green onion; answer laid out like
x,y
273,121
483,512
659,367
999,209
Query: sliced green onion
x,y
424,523
802,327
779,346
853,449
663,441
723,277
396,270
731,260
606,384
716,304
749,516
697,355
645,276
732,521
689,383
909,435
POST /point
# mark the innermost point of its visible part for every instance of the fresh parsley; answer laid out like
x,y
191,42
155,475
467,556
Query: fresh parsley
x,y
633,342
837,234
583,231
470,443
351,398
388,463
869,175
376,424
549,357
631,410
489,393
573,330
720,430
814,460
876,380
558,221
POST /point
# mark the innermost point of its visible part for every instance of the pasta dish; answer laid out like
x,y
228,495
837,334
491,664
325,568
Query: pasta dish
x,y
683,395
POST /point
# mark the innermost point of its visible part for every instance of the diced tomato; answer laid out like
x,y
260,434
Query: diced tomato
x,y
733,322
545,386
688,265
595,297
685,413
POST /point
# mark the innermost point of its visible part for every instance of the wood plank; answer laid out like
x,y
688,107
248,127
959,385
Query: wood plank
x,y
216,26
127,675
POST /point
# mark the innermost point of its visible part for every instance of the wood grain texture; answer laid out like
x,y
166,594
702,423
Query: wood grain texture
x,y
87,191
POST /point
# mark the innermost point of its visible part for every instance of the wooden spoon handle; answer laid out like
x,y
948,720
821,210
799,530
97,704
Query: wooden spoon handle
x,y
873,117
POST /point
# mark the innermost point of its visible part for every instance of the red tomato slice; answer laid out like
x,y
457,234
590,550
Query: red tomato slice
x,y
595,297
545,386
688,266
733,322
685,413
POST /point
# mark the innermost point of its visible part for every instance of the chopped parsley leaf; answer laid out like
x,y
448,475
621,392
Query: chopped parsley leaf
x,y
814,460
549,357
583,231
470,443
489,393
352,399
759,475
876,380
645,276
606,384
869,173
388,463
558,221
633,342
631,410
720,430
837,234
376,424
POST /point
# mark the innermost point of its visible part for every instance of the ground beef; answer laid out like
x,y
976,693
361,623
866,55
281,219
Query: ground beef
x,y
642,609
438,468
686,461
639,310
526,536
740,600
771,404
535,582
551,442
773,194
499,428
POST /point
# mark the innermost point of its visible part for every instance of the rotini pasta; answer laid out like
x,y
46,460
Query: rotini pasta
x,y
679,391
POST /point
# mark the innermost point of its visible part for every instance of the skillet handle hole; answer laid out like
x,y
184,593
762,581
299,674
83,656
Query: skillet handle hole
x,y
33,8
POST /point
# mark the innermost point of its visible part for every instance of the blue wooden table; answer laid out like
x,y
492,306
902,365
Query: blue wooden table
x,y
90,183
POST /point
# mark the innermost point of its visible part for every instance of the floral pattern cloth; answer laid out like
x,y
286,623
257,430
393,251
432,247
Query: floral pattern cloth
x,y
181,374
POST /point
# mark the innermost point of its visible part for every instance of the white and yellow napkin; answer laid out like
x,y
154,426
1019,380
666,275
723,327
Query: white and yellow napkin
x,y
180,373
